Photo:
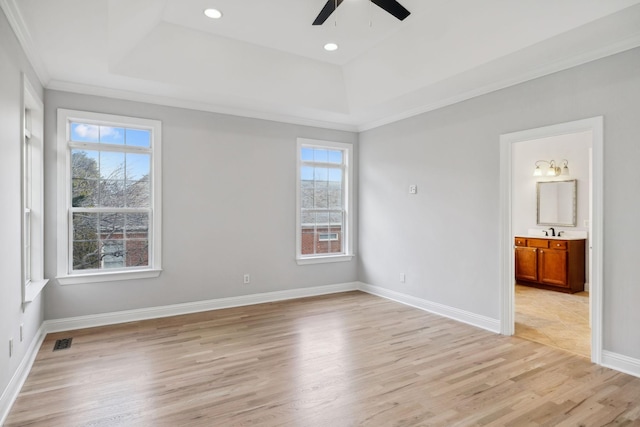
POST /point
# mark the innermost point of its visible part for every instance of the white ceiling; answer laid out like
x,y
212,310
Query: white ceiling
x,y
264,58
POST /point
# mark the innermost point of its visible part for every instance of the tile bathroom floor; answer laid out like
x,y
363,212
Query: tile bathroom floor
x,y
554,318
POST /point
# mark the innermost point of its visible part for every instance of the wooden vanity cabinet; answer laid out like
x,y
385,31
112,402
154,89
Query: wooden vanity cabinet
x,y
553,264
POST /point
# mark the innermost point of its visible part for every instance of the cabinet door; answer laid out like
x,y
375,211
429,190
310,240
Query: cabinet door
x,y
553,267
526,264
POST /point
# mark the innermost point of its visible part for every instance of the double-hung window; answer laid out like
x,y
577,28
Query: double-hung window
x,y
109,178
33,280
324,214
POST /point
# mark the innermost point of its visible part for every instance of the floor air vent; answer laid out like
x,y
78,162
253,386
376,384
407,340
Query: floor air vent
x,y
62,344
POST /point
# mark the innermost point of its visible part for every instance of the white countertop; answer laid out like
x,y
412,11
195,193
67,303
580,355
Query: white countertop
x,y
538,233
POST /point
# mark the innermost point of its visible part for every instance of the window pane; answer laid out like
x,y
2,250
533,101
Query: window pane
x,y
321,174
322,219
320,155
112,193
111,226
137,226
82,132
335,156
110,240
335,194
308,240
137,191
306,173
138,138
321,198
322,247
335,174
85,241
336,226
138,194
138,166
111,135
112,165
308,219
306,194
337,218
113,254
84,193
306,154
137,253
84,164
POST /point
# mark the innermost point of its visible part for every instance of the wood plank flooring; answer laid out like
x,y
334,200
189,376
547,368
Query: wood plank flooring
x,y
349,359
554,318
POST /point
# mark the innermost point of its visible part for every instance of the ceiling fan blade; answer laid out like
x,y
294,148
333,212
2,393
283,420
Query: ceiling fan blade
x,y
394,8
326,11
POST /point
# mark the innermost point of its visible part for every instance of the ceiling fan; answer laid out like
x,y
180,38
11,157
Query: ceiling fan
x,y
391,6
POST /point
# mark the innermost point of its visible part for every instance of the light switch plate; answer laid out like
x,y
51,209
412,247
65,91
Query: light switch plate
x,y
413,189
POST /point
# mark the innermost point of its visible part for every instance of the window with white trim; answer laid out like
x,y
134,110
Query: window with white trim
x,y
32,198
109,178
323,201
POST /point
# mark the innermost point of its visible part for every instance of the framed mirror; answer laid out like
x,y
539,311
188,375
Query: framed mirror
x,y
557,203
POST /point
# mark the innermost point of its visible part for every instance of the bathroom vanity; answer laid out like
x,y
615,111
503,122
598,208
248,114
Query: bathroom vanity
x,y
554,263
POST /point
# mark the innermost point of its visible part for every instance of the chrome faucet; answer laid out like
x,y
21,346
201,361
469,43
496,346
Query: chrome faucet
x,y
553,231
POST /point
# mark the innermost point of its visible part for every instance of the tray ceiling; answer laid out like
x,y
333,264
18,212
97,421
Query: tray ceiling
x,y
264,59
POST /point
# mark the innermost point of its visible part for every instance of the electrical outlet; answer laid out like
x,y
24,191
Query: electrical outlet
x,y
246,279
403,278
21,332
413,189
10,347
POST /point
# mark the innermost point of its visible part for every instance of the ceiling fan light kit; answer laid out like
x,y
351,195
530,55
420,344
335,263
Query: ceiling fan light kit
x,y
391,6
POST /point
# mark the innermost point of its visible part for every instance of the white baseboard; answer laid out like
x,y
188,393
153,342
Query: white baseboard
x,y
492,325
20,376
80,322
621,363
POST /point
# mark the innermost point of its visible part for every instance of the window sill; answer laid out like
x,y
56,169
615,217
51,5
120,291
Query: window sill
x,y
80,279
323,259
33,289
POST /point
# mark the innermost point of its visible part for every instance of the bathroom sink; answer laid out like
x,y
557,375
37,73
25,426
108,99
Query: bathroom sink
x,y
538,233
542,236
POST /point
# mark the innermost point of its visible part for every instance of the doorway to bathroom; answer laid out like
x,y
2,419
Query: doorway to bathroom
x,y
550,316
568,320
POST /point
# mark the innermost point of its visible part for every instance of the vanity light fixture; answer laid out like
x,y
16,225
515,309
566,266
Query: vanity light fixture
x,y
553,169
213,13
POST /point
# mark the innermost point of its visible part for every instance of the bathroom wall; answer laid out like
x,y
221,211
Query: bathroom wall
x,y
574,148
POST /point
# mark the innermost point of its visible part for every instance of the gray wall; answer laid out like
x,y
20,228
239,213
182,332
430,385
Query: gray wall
x,y
228,209
12,63
445,238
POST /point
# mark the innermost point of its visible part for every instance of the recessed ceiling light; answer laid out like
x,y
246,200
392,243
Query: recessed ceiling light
x,y
213,13
330,47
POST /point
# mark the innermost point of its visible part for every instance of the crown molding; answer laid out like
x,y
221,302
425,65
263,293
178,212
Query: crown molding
x,y
197,105
560,65
16,21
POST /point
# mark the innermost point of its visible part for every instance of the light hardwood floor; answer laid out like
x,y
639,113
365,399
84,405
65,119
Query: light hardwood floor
x,y
554,318
348,359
